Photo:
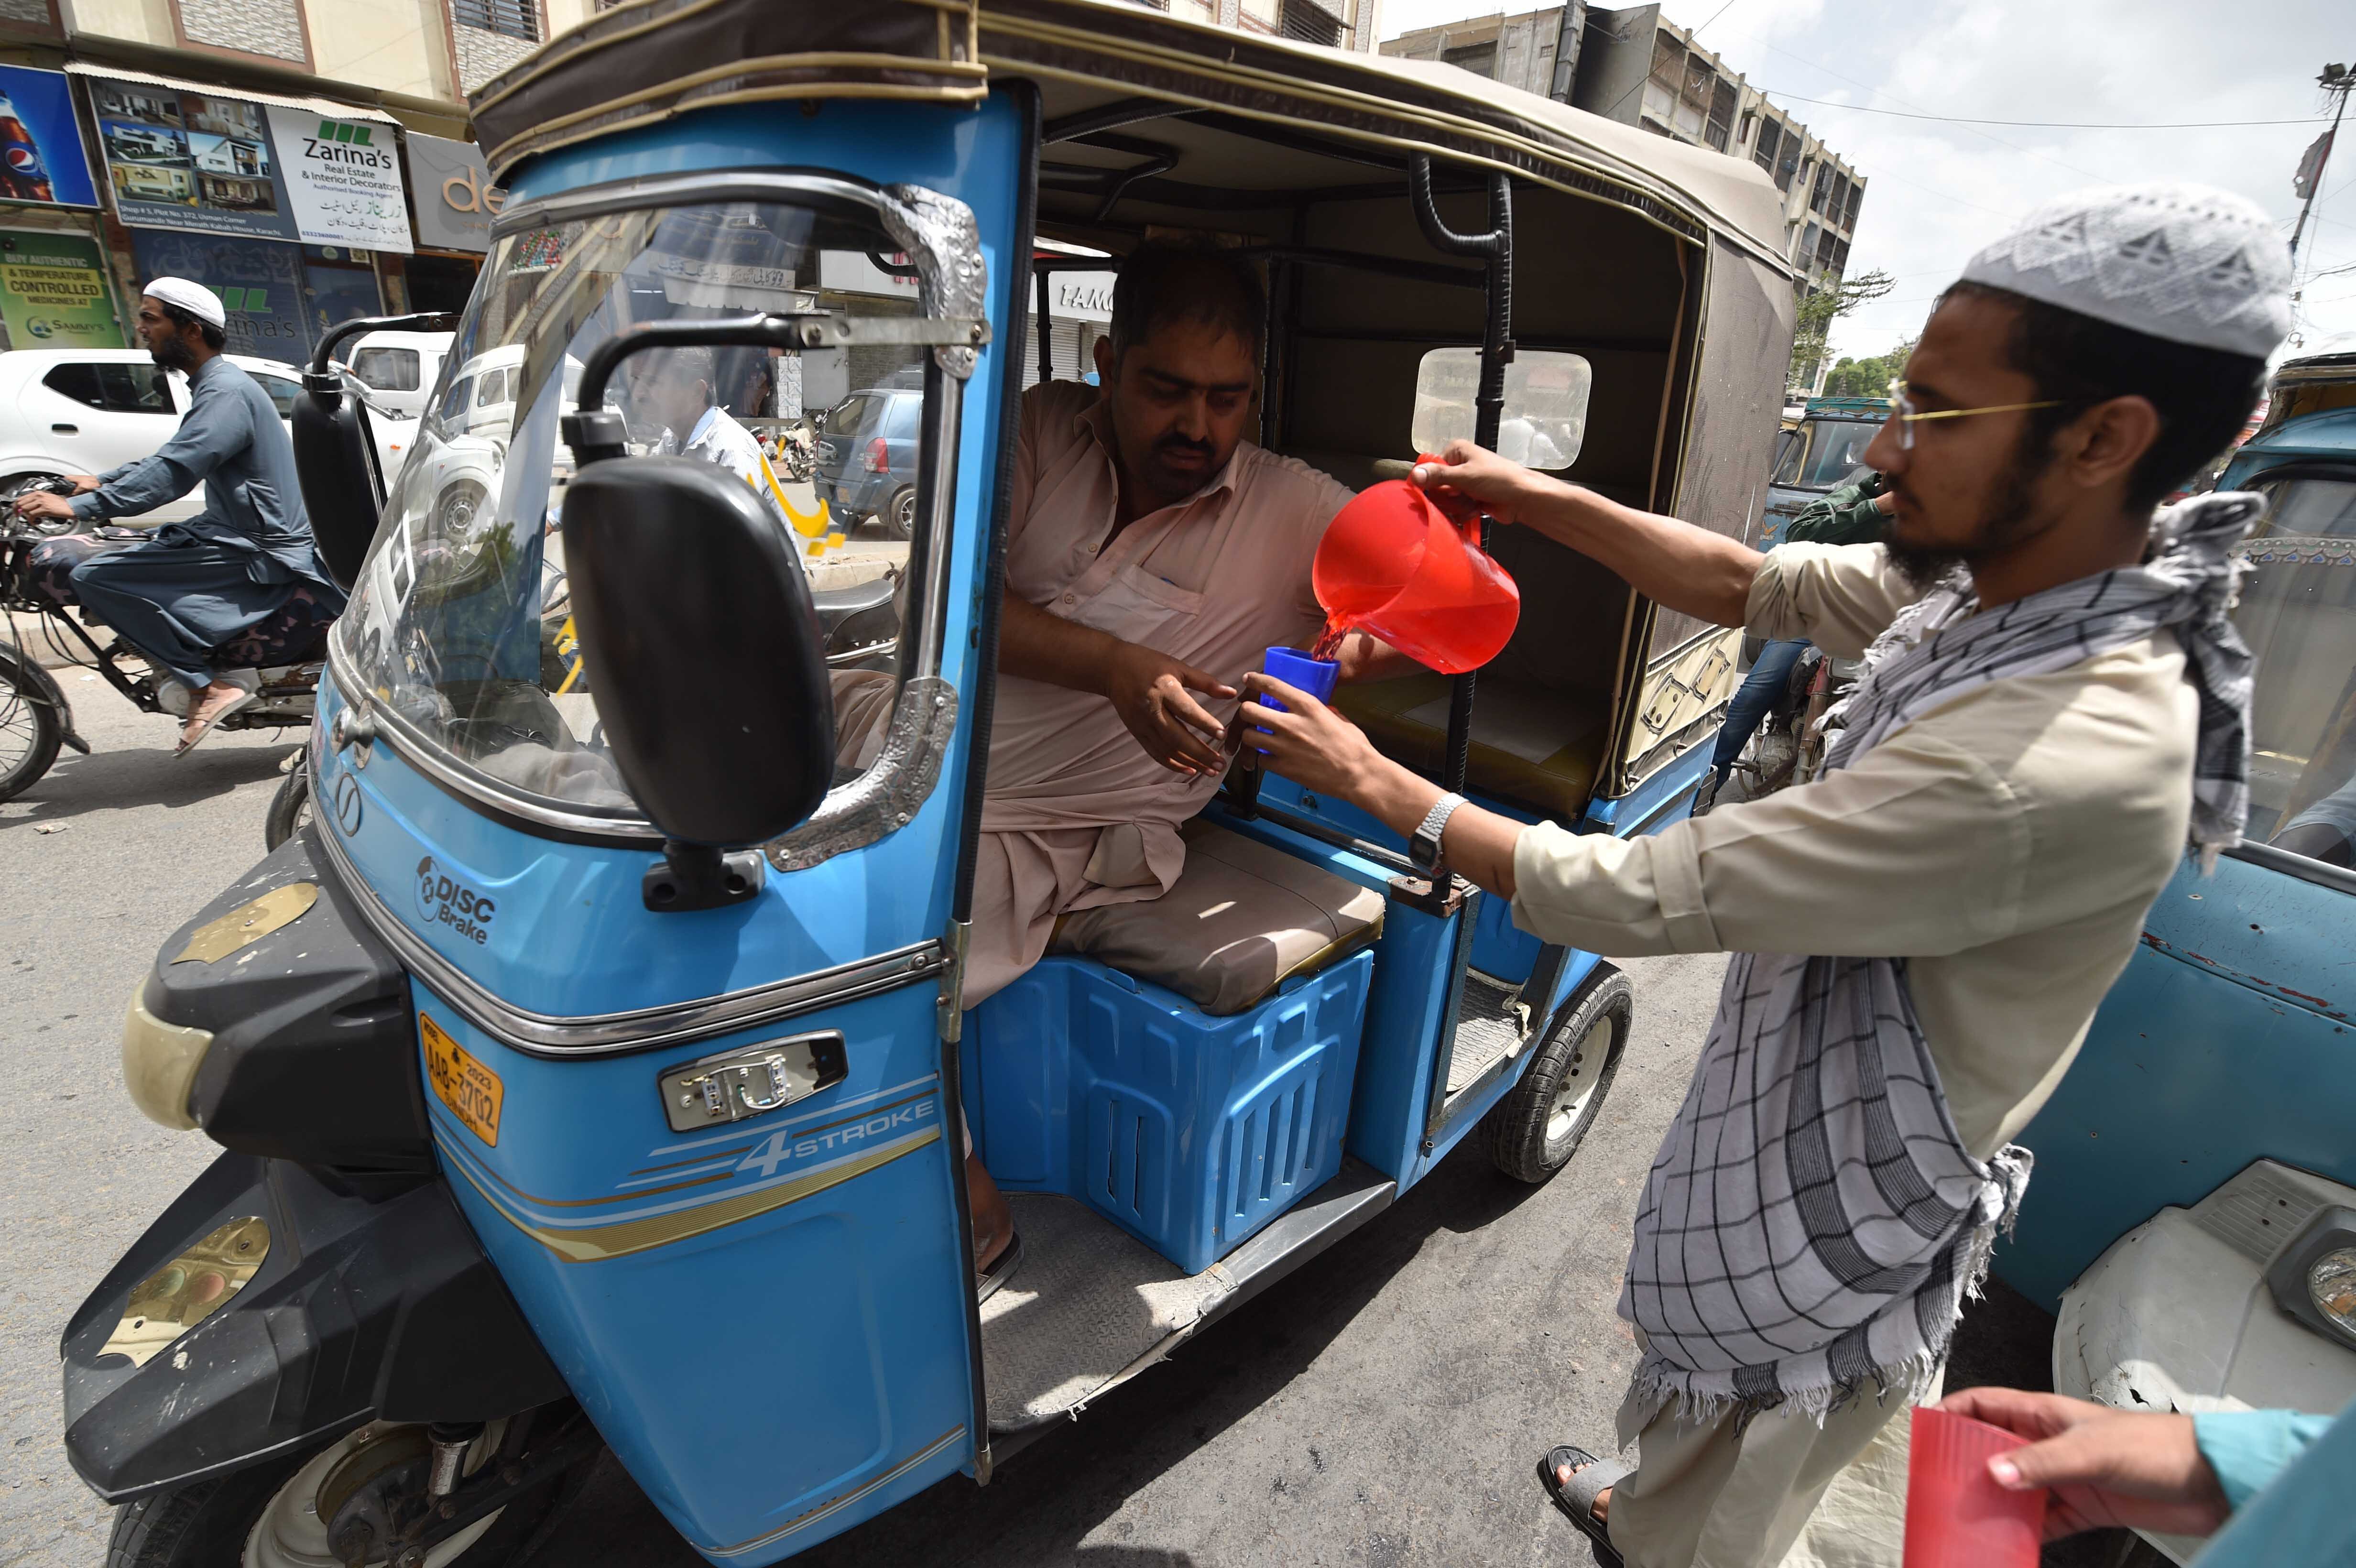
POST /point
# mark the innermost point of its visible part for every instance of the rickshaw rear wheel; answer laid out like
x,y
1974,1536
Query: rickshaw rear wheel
x,y
31,728
244,1519
1533,1131
290,808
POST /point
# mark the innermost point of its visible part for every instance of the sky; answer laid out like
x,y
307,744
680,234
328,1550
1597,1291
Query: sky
x,y
1937,190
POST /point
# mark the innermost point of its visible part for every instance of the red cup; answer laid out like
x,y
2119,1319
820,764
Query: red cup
x,y
1956,1516
1392,563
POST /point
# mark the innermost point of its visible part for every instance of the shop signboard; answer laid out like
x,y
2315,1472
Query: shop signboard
x,y
260,284
344,176
213,164
455,199
53,291
41,159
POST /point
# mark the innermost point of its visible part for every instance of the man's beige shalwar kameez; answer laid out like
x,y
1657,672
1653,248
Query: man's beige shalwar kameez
x,y
2007,845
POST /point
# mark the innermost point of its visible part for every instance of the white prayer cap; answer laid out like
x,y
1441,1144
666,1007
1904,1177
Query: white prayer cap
x,y
195,298
2187,262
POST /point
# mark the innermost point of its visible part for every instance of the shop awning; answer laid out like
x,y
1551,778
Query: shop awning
x,y
324,106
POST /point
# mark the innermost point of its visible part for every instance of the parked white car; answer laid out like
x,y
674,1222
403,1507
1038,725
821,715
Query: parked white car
x,y
85,411
400,370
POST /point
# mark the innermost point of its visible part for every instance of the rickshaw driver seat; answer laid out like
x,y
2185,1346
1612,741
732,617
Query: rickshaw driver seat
x,y
1241,919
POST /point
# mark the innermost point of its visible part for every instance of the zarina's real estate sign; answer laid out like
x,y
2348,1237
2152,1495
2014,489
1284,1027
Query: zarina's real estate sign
x,y
343,180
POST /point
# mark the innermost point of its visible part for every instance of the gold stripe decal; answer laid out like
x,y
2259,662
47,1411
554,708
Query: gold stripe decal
x,y
597,1244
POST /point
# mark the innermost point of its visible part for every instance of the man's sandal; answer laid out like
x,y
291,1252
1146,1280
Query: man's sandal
x,y
1589,1477
237,704
1000,1269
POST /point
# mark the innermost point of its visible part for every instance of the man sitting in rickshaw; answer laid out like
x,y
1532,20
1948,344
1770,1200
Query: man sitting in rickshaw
x,y
1152,554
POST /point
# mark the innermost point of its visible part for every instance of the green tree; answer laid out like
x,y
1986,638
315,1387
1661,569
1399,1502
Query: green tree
x,y
1867,377
1819,308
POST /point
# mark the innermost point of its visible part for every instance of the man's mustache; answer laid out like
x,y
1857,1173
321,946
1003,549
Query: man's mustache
x,y
1179,443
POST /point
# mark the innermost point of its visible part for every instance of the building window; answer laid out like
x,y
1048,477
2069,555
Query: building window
x,y
1310,24
1787,162
1770,135
1481,59
514,18
1823,188
1721,115
1806,253
1848,214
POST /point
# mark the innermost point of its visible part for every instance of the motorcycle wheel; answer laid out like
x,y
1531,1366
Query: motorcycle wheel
x,y
31,729
290,808
262,1516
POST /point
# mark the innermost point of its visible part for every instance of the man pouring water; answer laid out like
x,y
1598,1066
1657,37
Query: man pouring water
x,y
2053,696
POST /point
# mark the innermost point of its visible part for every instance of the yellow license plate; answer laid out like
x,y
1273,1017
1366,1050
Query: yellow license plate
x,y
472,1091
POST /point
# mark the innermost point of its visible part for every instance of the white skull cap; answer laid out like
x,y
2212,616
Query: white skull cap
x,y
195,298
2187,262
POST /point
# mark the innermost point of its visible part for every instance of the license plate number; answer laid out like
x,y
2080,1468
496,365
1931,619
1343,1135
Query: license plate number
x,y
472,1091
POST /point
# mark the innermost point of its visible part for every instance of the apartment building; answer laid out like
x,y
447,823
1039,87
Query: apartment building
x,y
1635,66
1336,23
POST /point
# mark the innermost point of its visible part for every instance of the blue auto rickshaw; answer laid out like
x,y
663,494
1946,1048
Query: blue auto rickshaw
x,y
2193,1218
590,1069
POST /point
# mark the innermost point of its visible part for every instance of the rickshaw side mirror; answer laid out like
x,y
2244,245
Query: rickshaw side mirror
x,y
335,462
335,450
700,639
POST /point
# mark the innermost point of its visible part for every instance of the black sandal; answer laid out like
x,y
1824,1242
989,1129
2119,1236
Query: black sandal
x,y
1002,1269
1589,1477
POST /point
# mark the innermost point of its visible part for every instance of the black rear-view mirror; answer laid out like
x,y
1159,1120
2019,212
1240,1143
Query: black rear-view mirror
x,y
335,451
701,640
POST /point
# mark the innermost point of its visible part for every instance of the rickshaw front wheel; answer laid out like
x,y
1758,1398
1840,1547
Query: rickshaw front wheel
x,y
290,808
1533,1131
268,1515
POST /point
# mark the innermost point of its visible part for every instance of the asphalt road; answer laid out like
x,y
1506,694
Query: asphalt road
x,y
1383,1406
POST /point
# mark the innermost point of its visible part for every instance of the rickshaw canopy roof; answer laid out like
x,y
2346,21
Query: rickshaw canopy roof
x,y
1100,60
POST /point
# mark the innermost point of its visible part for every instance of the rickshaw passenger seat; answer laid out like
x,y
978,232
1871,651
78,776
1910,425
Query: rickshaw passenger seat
x,y
1242,919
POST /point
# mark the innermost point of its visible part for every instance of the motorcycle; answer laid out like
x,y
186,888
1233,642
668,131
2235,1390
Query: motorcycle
x,y
797,450
1789,747
278,658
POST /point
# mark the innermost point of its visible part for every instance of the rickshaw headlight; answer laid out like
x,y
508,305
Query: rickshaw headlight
x,y
2332,1286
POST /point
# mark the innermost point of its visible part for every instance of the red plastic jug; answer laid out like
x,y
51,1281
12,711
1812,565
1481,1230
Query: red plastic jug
x,y
1956,1516
1392,563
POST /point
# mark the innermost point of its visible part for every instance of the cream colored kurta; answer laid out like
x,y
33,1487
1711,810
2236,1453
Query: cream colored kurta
x,y
1076,814
2007,845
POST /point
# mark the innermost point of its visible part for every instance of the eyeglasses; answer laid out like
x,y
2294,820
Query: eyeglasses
x,y
1902,398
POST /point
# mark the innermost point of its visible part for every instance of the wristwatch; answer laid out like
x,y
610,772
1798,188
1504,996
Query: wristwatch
x,y
1423,847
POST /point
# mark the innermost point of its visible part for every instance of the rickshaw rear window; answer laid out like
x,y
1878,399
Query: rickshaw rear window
x,y
461,628
2298,615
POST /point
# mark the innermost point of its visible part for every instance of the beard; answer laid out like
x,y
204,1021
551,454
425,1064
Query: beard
x,y
175,354
2006,517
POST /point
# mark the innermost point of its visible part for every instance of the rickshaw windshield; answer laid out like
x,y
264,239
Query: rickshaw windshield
x,y
2298,615
460,626
1827,452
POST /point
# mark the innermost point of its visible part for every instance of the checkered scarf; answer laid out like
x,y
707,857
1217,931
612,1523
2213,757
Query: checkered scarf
x,y
1812,1221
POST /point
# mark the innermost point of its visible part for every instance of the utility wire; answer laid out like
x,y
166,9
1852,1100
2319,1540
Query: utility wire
x,y
2042,124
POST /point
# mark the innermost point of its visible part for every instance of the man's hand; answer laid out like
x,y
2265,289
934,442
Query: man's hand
x,y
1494,485
42,504
1310,743
2103,1468
1150,691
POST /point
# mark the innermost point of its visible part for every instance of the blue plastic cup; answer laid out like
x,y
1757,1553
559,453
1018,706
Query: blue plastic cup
x,y
1296,668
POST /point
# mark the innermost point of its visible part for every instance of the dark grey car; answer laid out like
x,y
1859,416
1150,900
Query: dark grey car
x,y
867,459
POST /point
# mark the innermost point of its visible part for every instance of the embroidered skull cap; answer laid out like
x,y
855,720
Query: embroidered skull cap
x,y
2187,262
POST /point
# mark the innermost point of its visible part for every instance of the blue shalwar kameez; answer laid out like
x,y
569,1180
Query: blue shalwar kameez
x,y
193,585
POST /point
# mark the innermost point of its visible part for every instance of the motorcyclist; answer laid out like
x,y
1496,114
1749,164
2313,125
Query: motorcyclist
x,y
192,586
1853,514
